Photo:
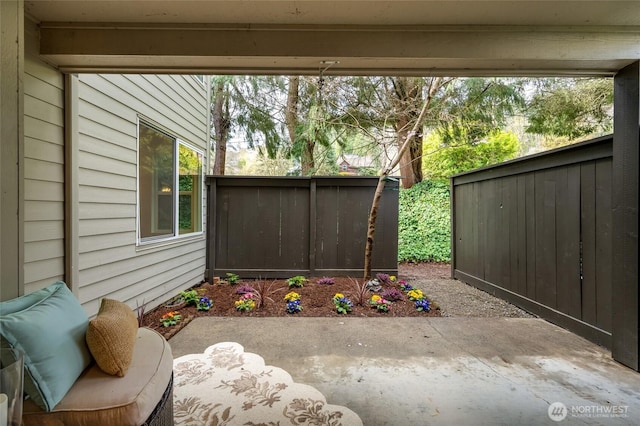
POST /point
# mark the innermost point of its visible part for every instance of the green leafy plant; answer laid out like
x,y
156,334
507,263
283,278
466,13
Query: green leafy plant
x,y
190,297
297,281
170,318
424,223
232,278
343,304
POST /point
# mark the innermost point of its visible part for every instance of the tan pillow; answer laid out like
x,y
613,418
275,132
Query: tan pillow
x,y
111,336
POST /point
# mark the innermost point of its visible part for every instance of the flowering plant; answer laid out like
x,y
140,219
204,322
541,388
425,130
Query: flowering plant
x,y
294,306
292,296
246,302
342,304
392,294
404,286
243,289
380,303
293,302
326,281
415,294
423,305
170,318
383,278
204,304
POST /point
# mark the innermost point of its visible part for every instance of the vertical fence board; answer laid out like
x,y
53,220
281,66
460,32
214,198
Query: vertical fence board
x,y
464,236
588,230
536,222
530,226
545,238
604,245
569,298
521,236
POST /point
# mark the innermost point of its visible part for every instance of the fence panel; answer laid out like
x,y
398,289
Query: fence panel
x,y
537,232
279,227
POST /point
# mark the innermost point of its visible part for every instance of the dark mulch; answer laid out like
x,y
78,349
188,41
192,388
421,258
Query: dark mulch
x,y
316,301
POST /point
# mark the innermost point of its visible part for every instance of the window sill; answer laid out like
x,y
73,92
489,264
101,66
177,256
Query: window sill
x,y
168,242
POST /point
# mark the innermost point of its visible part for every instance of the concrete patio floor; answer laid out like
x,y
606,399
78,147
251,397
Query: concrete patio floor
x,y
438,371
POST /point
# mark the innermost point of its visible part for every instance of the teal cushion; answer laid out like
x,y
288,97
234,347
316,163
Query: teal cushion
x,y
49,326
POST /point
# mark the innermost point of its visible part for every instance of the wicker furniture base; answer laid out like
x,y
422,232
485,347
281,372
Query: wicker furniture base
x,y
163,413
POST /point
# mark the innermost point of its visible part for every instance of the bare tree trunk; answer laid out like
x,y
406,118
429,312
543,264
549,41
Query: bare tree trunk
x,y
410,138
307,162
221,127
291,115
408,97
411,161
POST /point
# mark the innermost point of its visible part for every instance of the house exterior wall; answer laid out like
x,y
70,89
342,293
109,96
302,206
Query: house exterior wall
x,y
96,187
43,168
110,261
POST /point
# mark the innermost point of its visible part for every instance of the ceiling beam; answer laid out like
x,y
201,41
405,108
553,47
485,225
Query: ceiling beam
x,y
500,50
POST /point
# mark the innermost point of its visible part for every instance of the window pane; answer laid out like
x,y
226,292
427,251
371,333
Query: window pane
x,y
156,182
190,183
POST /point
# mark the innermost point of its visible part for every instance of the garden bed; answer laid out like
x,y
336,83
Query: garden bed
x,y
316,300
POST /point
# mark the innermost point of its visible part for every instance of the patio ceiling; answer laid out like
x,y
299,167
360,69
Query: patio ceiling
x,y
441,37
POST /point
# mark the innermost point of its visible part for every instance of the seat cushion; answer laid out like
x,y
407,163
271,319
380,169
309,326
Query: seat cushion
x,y
111,336
98,398
49,326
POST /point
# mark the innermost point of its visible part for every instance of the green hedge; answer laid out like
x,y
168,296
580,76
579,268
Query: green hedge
x,y
424,224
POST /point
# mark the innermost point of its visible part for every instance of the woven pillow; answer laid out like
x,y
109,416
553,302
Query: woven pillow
x,y
111,336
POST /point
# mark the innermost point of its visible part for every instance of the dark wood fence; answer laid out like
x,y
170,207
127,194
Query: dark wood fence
x,y
277,227
537,232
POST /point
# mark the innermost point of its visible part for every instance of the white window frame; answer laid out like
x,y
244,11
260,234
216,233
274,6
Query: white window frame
x,y
175,235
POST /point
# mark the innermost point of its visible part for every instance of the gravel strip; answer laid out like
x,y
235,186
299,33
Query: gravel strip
x,y
457,299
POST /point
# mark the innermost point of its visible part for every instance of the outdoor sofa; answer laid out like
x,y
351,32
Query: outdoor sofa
x,y
106,371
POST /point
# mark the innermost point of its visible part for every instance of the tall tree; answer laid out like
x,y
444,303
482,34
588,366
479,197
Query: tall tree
x,y
221,120
472,108
571,107
384,175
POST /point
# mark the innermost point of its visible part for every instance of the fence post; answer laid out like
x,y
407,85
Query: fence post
x,y
625,300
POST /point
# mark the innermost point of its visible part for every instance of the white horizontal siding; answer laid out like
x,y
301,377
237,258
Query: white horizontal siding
x,y
40,210
93,243
110,263
43,168
43,150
